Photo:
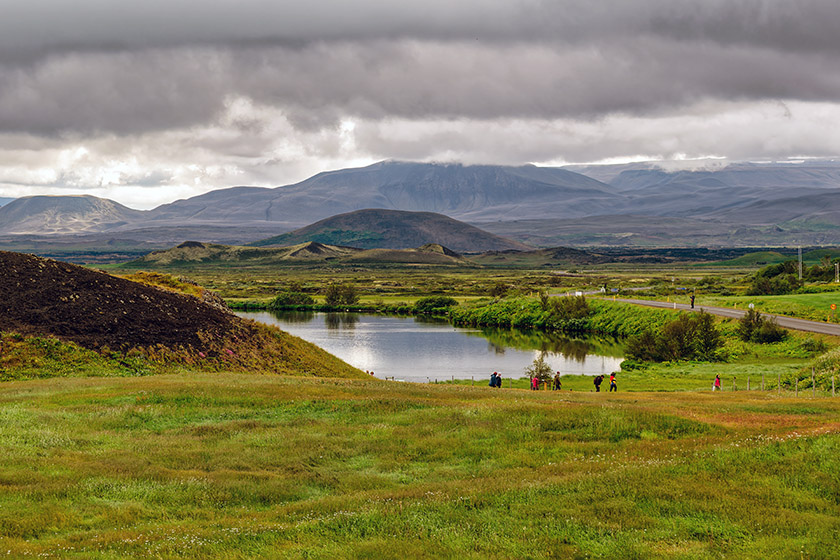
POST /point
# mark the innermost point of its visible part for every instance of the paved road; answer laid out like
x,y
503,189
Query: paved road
x,y
787,322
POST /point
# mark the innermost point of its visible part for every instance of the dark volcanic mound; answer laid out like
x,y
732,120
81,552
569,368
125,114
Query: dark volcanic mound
x,y
94,309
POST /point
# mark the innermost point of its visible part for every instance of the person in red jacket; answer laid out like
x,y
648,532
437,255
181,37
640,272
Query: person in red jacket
x,y
613,386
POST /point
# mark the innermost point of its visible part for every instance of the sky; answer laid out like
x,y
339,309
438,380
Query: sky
x,y
148,102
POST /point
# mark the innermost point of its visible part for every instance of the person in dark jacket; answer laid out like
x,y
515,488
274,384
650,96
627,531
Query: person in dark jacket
x,y
597,382
493,377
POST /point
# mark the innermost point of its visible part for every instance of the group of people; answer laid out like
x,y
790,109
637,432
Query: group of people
x,y
496,380
600,379
556,384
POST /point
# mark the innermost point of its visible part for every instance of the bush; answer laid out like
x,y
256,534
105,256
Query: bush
x,y
499,290
344,294
689,337
434,304
752,327
289,299
775,279
775,286
569,307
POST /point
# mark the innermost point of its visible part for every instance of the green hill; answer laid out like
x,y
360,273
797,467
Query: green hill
x,y
192,253
394,229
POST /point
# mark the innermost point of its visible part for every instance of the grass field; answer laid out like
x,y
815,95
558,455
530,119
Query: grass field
x,y
248,466
816,307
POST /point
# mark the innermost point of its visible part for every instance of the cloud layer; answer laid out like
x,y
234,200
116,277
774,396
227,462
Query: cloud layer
x,y
175,98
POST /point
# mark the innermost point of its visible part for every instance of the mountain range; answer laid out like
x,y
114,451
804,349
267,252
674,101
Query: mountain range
x,y
635,204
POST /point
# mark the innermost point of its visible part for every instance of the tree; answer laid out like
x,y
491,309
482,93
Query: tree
x,y
539,369
344,294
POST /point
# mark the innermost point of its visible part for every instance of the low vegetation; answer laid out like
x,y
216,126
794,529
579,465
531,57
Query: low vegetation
x,y
687,337
243,466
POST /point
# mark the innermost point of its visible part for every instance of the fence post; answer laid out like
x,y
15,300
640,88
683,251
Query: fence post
x,y
797,387
762,381
734,388
780,384
832,385
748,383
813,384
472,381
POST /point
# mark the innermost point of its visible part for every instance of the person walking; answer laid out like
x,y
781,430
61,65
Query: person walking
x,y
493,378
692,301
613,386
535,383
716,386
597,382
557,383
498,381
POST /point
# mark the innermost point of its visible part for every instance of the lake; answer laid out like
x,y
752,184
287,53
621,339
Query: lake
x,y
421,350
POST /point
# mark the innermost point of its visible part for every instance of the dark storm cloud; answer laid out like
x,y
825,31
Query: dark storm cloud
x,y
39,25
122,66
219,92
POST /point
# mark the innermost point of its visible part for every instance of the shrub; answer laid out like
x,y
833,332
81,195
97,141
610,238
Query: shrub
x,y
752,327
689,337
775,279
499,290
344,294
434,304
288,299
569,307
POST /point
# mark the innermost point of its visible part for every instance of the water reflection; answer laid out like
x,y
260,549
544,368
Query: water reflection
x,y
420,350
574,348
296,316
337,320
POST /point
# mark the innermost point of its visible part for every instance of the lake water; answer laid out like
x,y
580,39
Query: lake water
x,y
412,349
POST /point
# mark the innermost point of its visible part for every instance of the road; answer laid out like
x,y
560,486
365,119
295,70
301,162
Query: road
x,y
786,322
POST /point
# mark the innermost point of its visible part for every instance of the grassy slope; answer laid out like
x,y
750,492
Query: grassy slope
x,y
242,466
267,350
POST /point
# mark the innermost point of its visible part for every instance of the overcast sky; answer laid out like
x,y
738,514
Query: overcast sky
x,y
146,102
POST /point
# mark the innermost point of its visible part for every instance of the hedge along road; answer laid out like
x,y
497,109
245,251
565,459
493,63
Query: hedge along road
x,y
787,322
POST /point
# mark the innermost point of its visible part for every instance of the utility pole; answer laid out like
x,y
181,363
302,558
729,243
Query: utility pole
x,y
799,252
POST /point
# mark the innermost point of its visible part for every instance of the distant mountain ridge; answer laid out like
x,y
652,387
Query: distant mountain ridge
x,y
64,215
644,204
395,229
458,191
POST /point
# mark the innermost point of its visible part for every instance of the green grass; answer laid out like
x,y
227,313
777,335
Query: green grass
x,y
244,466
816,306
